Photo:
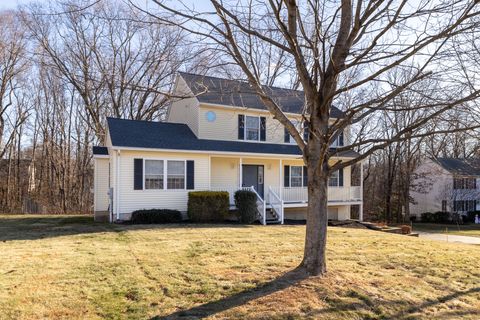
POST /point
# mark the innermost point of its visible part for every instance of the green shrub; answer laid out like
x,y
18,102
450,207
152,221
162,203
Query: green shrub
x,y
156,216
470,217
441,217
246,202
208,206
427,217
413,218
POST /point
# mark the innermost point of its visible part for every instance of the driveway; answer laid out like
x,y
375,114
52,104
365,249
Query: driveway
x,y
449,237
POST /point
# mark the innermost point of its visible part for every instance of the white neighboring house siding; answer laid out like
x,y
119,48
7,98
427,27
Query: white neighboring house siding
x,y
184,110
436,181
131,200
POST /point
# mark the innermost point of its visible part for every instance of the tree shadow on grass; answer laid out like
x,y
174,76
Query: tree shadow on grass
x,y
405,309
208,309
34,227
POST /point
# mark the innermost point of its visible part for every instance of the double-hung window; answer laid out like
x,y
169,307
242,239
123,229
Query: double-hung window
x,y
252,128
157,170
175,174
334,179
296,176
154,174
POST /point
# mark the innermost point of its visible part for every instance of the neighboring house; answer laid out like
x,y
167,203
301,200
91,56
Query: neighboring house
x,y
446,184
220,138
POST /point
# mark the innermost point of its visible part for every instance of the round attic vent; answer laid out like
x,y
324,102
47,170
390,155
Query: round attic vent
x,y
210,116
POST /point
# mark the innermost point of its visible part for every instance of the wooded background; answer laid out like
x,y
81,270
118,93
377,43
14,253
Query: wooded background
x,y
67,65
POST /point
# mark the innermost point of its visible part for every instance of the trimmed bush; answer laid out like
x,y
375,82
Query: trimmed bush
x,y
441,217
470,217
246,202
156,216
208,206
427,217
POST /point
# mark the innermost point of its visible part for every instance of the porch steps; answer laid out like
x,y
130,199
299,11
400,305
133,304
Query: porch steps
x,y
272,217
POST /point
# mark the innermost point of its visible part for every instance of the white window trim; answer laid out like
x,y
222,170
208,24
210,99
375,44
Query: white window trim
x,y
290,177
165,175
245,127
338,180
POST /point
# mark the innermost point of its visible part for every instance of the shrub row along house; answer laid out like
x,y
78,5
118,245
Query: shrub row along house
x,y
447,185
218,137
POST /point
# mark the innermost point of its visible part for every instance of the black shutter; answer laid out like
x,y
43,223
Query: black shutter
x,y
340,139
263,128
305,176
241,127
340,177
137,174
306,131
286,135
286,176
190,175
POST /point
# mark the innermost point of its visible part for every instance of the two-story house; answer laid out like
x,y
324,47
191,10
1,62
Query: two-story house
x,y
219,137
446,184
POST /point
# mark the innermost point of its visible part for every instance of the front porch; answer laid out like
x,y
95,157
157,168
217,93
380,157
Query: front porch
x,y
279,184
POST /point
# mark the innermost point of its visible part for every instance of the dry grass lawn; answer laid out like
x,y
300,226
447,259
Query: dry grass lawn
x,y
68,267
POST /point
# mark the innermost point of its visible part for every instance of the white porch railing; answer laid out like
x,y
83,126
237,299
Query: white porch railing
x,y
261,206
335,194
276,202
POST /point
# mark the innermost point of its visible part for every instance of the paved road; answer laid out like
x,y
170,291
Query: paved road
x,y
449,238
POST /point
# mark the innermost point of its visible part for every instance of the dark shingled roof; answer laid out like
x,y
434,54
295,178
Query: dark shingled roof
x,y
239,94
464,167
177,136
101,151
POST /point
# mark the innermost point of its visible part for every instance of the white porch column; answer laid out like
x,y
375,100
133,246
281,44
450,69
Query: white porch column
x,y
360,211
280,172
209,172
240,173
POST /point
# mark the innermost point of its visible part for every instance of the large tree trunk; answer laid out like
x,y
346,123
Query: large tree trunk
x,y
316,233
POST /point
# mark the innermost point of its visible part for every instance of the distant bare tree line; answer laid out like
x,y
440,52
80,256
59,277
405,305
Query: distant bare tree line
x,y
64,67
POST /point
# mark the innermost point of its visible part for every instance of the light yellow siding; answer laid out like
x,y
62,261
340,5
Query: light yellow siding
x,y
131,200
225,127
101,184
224,173
184,110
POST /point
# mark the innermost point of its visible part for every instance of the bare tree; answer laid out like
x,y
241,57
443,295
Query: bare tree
x,y
120,63
13,64
342,53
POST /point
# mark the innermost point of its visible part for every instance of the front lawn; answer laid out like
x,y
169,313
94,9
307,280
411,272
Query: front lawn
x,y
472,230
68,267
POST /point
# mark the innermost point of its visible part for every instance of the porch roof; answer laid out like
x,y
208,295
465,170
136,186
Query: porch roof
x,y
176,136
